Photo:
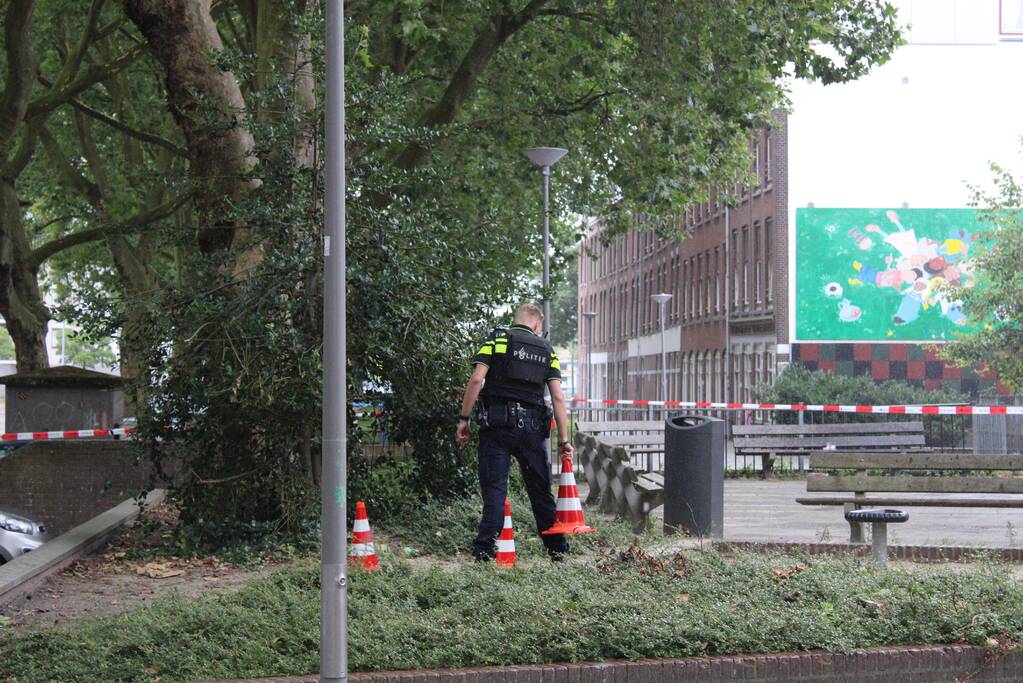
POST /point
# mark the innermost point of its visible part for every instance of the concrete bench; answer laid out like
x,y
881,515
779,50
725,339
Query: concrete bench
x,y
614,483
771,441
939,474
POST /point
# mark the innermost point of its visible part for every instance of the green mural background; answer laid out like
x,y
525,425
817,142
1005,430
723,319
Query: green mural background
x,y
876,274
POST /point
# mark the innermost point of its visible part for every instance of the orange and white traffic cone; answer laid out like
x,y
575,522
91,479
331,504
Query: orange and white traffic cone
x,y
362,540
569,518
506,541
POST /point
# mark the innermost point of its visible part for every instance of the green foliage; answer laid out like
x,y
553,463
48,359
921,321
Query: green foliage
x,y
654,100
6,345
565,305
994,303
799,385
408,616
78,349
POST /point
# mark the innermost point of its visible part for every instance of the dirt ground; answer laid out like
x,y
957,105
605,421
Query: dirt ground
x,y
132,570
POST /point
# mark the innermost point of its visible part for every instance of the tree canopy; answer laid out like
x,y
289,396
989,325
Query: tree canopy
x,y
995,302
171,150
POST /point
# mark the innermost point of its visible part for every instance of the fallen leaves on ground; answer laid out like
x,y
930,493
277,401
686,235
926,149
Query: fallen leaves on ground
x,y
158,570
781,576
610,560
879,606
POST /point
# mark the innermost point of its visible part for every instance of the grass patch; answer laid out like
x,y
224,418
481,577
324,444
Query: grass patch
x,y
618,603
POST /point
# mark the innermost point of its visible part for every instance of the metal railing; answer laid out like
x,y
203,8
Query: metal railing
x,y
941,432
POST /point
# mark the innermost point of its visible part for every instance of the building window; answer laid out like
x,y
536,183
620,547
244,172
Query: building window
x,y
699,284
707,278
1011,12
756,164
758,266
745,266
735,269
693,288
717,280
767,158
768,257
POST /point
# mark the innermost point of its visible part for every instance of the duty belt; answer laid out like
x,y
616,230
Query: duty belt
x,y
514,411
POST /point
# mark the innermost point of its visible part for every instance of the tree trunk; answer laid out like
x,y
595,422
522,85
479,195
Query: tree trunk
x,y
21,303
207,104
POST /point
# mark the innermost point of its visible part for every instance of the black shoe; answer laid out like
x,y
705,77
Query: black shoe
x,y
557,555
483,557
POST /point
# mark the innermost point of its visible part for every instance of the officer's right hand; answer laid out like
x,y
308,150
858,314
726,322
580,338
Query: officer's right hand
x,y
462,433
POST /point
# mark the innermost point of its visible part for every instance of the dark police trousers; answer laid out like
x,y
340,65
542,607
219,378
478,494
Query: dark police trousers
x,y
525,441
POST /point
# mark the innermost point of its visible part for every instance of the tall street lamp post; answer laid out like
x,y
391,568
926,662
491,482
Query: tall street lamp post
x,y
545,157
333,525
662,299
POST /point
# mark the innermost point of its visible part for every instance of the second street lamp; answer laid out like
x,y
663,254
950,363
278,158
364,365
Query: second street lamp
x,y
662,299
545,157
589,315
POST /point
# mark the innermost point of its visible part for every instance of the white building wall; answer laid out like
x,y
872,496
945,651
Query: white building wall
x,y
920,130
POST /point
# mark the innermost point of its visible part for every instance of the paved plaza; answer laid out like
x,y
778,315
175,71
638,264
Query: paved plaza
x,y
760,510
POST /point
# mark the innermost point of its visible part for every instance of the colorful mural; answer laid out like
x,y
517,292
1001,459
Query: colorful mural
x,y
880,274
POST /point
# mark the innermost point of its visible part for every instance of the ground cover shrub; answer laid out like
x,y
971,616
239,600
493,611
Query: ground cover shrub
x,y
622,602
447,528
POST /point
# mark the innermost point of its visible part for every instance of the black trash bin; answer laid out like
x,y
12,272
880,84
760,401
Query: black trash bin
x,y
694,475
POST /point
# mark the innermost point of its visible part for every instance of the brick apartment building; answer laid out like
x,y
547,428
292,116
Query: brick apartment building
x,y
724,285
727,323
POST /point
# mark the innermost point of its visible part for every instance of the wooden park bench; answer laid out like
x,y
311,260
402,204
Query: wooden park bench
x,y
614,483
771,441
939,474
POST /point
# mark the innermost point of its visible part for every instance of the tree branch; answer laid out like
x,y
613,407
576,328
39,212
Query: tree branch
x,y
132,224
497,31
94,74
587,17
68,174
23,152
21,66
59,219
581,104
142,135
76,55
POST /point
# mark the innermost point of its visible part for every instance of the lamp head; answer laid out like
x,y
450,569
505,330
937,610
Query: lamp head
x,y
544,156
661,298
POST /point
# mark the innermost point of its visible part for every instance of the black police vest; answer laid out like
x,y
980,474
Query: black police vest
x,y
520,373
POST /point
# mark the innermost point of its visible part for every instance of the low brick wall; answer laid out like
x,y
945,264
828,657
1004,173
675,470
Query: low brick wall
x,y
912,553
65,483
943,664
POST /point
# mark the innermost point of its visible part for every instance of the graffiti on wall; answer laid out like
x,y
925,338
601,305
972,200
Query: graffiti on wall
x,y
882,274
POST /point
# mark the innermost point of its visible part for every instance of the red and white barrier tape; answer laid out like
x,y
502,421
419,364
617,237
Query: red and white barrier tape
x,y
893,410
68,434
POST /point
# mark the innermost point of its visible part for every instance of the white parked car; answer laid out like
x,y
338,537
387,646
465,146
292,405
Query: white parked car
x,y
19,534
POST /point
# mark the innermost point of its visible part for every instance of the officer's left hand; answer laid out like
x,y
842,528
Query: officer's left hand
x,y
462,433
565,451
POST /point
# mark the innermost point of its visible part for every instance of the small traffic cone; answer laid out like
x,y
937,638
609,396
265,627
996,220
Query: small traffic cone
x,y
362,540
506,541
569,519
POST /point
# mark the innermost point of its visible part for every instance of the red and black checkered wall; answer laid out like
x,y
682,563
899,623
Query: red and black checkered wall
x,y
914,363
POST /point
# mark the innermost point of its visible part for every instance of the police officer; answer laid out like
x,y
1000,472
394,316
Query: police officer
x,y
509,374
